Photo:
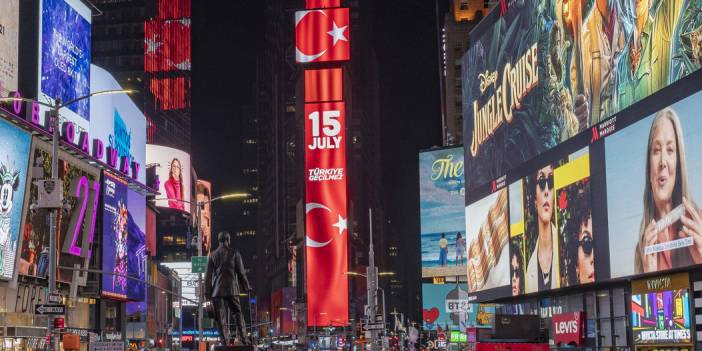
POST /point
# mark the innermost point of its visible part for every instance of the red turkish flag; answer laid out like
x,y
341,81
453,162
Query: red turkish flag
x,y
325,209
322,35
321,4
323,85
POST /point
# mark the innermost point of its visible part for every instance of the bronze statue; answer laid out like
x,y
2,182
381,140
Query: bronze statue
x,y
225,279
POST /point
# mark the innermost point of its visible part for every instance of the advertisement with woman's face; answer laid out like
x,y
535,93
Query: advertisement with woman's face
x,y
173,172
653,186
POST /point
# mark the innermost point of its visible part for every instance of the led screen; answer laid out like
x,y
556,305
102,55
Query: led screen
x,y
81,190
167,45
123,248
654,191
117,121
441,201
204,194
64,57
661,317
14,161
440,307
9,46
538,74
173,173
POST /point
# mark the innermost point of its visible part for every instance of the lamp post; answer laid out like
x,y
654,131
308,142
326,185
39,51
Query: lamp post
x,y
198,208
53,113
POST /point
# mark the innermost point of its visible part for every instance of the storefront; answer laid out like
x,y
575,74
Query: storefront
x,y
20,328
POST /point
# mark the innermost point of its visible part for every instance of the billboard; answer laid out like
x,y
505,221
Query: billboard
x,y
326,216
117,121
76,222
322,35
188,278
123,241
537,74
438,310
203,193
653,191
14,164
442,213
167,44
173,173
660,310
64,58
9,46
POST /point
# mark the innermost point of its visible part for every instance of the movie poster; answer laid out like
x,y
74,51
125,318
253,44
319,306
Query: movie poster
x,y
442,213
81,189
123,251
654,191
14,159
550,209
540,72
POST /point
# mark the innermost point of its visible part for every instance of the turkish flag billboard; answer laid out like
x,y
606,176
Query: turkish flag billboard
x,y
325,212
322,35
323,85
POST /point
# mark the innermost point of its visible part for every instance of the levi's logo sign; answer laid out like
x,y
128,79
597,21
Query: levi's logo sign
x,y
567,327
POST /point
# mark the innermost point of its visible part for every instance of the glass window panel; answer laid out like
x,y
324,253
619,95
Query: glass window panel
x,y
605,332
620,338
619,302
603,304
590,305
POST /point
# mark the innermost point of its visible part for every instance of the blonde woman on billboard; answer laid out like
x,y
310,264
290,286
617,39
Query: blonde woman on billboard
x,y
542,268
669,212
174,185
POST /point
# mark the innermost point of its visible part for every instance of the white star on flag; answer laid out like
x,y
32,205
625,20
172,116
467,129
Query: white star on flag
x,y
341,224
152,44
337,33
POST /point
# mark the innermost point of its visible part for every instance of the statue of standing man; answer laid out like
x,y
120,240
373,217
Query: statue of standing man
x,y
225,279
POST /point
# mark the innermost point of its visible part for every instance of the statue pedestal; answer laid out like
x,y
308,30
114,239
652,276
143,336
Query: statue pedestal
x,y
234,348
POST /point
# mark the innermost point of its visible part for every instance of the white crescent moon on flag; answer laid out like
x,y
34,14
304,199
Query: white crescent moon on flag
x,y
310,242
299,55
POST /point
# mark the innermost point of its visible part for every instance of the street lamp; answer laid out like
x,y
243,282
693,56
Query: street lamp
x,y
199,206
53,228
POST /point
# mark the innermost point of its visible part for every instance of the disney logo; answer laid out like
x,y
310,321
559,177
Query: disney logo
x,y
486,79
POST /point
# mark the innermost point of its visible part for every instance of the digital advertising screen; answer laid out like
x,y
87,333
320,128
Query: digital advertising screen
x,y
654,191
9,46
15,146
537,74
661,317
117,120
441,307
173,173
442,213
76,224
203,193
123,240
64,58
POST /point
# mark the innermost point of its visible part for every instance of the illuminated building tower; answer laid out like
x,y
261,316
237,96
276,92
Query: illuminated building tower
x,y
146,44
458,21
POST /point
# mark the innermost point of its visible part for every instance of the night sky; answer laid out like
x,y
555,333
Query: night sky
x,y
226,40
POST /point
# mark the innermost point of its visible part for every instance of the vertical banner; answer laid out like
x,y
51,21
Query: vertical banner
x,y
325,209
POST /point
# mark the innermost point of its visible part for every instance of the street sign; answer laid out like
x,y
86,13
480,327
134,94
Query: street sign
x,y
50,309
54,298
107,346
373,326
199,264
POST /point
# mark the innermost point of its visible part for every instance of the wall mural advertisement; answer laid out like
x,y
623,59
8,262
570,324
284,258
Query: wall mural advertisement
x,y
654,191
442,213
81,190
123,242
64,57
118,122
9,46
539,72
173,173
14,163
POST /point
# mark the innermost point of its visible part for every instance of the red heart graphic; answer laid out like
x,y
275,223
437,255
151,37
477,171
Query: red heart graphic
x,y
429,316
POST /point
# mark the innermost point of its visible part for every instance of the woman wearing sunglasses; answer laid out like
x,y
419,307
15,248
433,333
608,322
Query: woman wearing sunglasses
x,y
669,213
543,264
581,245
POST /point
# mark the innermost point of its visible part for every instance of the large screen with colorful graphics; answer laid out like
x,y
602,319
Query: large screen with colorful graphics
x,y
539,72
579,121
441,201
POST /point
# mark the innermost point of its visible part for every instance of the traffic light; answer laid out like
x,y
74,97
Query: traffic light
x,y
160,342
